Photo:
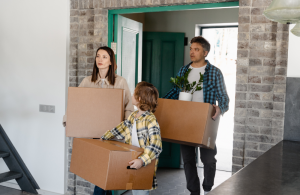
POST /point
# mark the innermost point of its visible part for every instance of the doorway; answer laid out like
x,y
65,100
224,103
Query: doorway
x,y
173,19
223,54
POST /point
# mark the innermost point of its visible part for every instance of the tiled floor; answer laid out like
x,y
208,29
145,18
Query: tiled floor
x,y
170,182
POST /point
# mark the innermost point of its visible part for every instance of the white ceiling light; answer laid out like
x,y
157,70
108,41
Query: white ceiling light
x,y
296,30
284,11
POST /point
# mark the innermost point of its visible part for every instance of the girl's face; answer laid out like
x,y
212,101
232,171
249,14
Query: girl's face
x,y
103,59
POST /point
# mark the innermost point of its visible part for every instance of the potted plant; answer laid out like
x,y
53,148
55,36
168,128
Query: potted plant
x,y
187,89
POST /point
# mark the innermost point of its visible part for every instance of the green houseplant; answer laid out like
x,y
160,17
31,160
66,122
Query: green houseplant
x,y
187,89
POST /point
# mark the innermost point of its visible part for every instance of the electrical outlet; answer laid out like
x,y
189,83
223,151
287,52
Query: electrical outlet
x,y
47,108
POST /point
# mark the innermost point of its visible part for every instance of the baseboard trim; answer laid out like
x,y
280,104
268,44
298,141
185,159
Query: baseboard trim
x,y
17,187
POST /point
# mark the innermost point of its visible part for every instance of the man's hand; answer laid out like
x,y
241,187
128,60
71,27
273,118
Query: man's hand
x,y
218,112
136,164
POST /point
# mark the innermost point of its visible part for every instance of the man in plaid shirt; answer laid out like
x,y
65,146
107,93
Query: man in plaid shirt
x,y
214,89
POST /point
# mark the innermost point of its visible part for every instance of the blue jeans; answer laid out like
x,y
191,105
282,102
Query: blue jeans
x,y
100,191
140,192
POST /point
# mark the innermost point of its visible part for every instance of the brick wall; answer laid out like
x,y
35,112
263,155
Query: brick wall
x,y
261,72
261,83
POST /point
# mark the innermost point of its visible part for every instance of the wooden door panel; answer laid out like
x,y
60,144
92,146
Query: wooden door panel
x,y
162,58
147,54
167,65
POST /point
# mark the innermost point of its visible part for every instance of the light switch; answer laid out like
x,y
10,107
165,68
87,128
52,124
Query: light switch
x,y
47,108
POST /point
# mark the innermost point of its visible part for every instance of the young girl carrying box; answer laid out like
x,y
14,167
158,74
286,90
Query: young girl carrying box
x,y
140,129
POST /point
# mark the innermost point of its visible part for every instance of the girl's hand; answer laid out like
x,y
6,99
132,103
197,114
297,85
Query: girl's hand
x,y
136,164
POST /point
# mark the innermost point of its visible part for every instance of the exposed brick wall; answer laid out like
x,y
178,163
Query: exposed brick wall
x,y
261,71
88,31
261,82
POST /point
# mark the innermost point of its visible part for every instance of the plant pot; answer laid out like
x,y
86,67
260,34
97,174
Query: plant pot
x,y
185,96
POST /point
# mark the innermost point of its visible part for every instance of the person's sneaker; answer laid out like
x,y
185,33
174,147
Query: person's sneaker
x,y
205,192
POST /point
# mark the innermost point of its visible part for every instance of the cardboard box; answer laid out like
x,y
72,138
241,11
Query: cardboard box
x,y
188,123
104,163
93,111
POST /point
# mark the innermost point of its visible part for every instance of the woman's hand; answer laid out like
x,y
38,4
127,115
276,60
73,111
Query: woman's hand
x,y
136,164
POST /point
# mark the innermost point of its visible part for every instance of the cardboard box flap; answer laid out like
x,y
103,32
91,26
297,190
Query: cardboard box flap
x,y
127,146
119,146
114,146
84,152
107,145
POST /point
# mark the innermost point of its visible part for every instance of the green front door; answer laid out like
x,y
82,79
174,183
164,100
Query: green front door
x,y
163,56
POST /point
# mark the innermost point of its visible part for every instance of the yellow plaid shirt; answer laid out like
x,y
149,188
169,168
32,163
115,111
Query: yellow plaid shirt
x,y
149,137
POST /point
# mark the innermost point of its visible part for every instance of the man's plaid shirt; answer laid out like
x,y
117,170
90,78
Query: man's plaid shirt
x,y
214,88
149,137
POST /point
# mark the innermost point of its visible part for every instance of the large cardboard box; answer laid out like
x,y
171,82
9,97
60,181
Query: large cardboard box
x,y
93,111
188,123
104,163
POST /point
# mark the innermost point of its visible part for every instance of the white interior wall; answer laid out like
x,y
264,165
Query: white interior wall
x,y
33,57
185,21
293,68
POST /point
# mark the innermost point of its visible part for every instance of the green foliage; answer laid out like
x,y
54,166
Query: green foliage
x,y
197,86
183,84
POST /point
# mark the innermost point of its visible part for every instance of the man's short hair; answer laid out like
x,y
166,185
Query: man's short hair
x,y
203,42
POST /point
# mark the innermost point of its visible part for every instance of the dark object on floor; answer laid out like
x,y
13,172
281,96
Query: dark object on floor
x,y
276,172
17,167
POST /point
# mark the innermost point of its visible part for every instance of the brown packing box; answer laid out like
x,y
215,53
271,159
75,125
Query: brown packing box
x,y
104,163
188,123
93,111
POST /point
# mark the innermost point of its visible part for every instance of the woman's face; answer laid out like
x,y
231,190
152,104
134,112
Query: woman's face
x,y
103,59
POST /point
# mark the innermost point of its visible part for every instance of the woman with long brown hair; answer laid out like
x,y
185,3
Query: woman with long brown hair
x,y
104,76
